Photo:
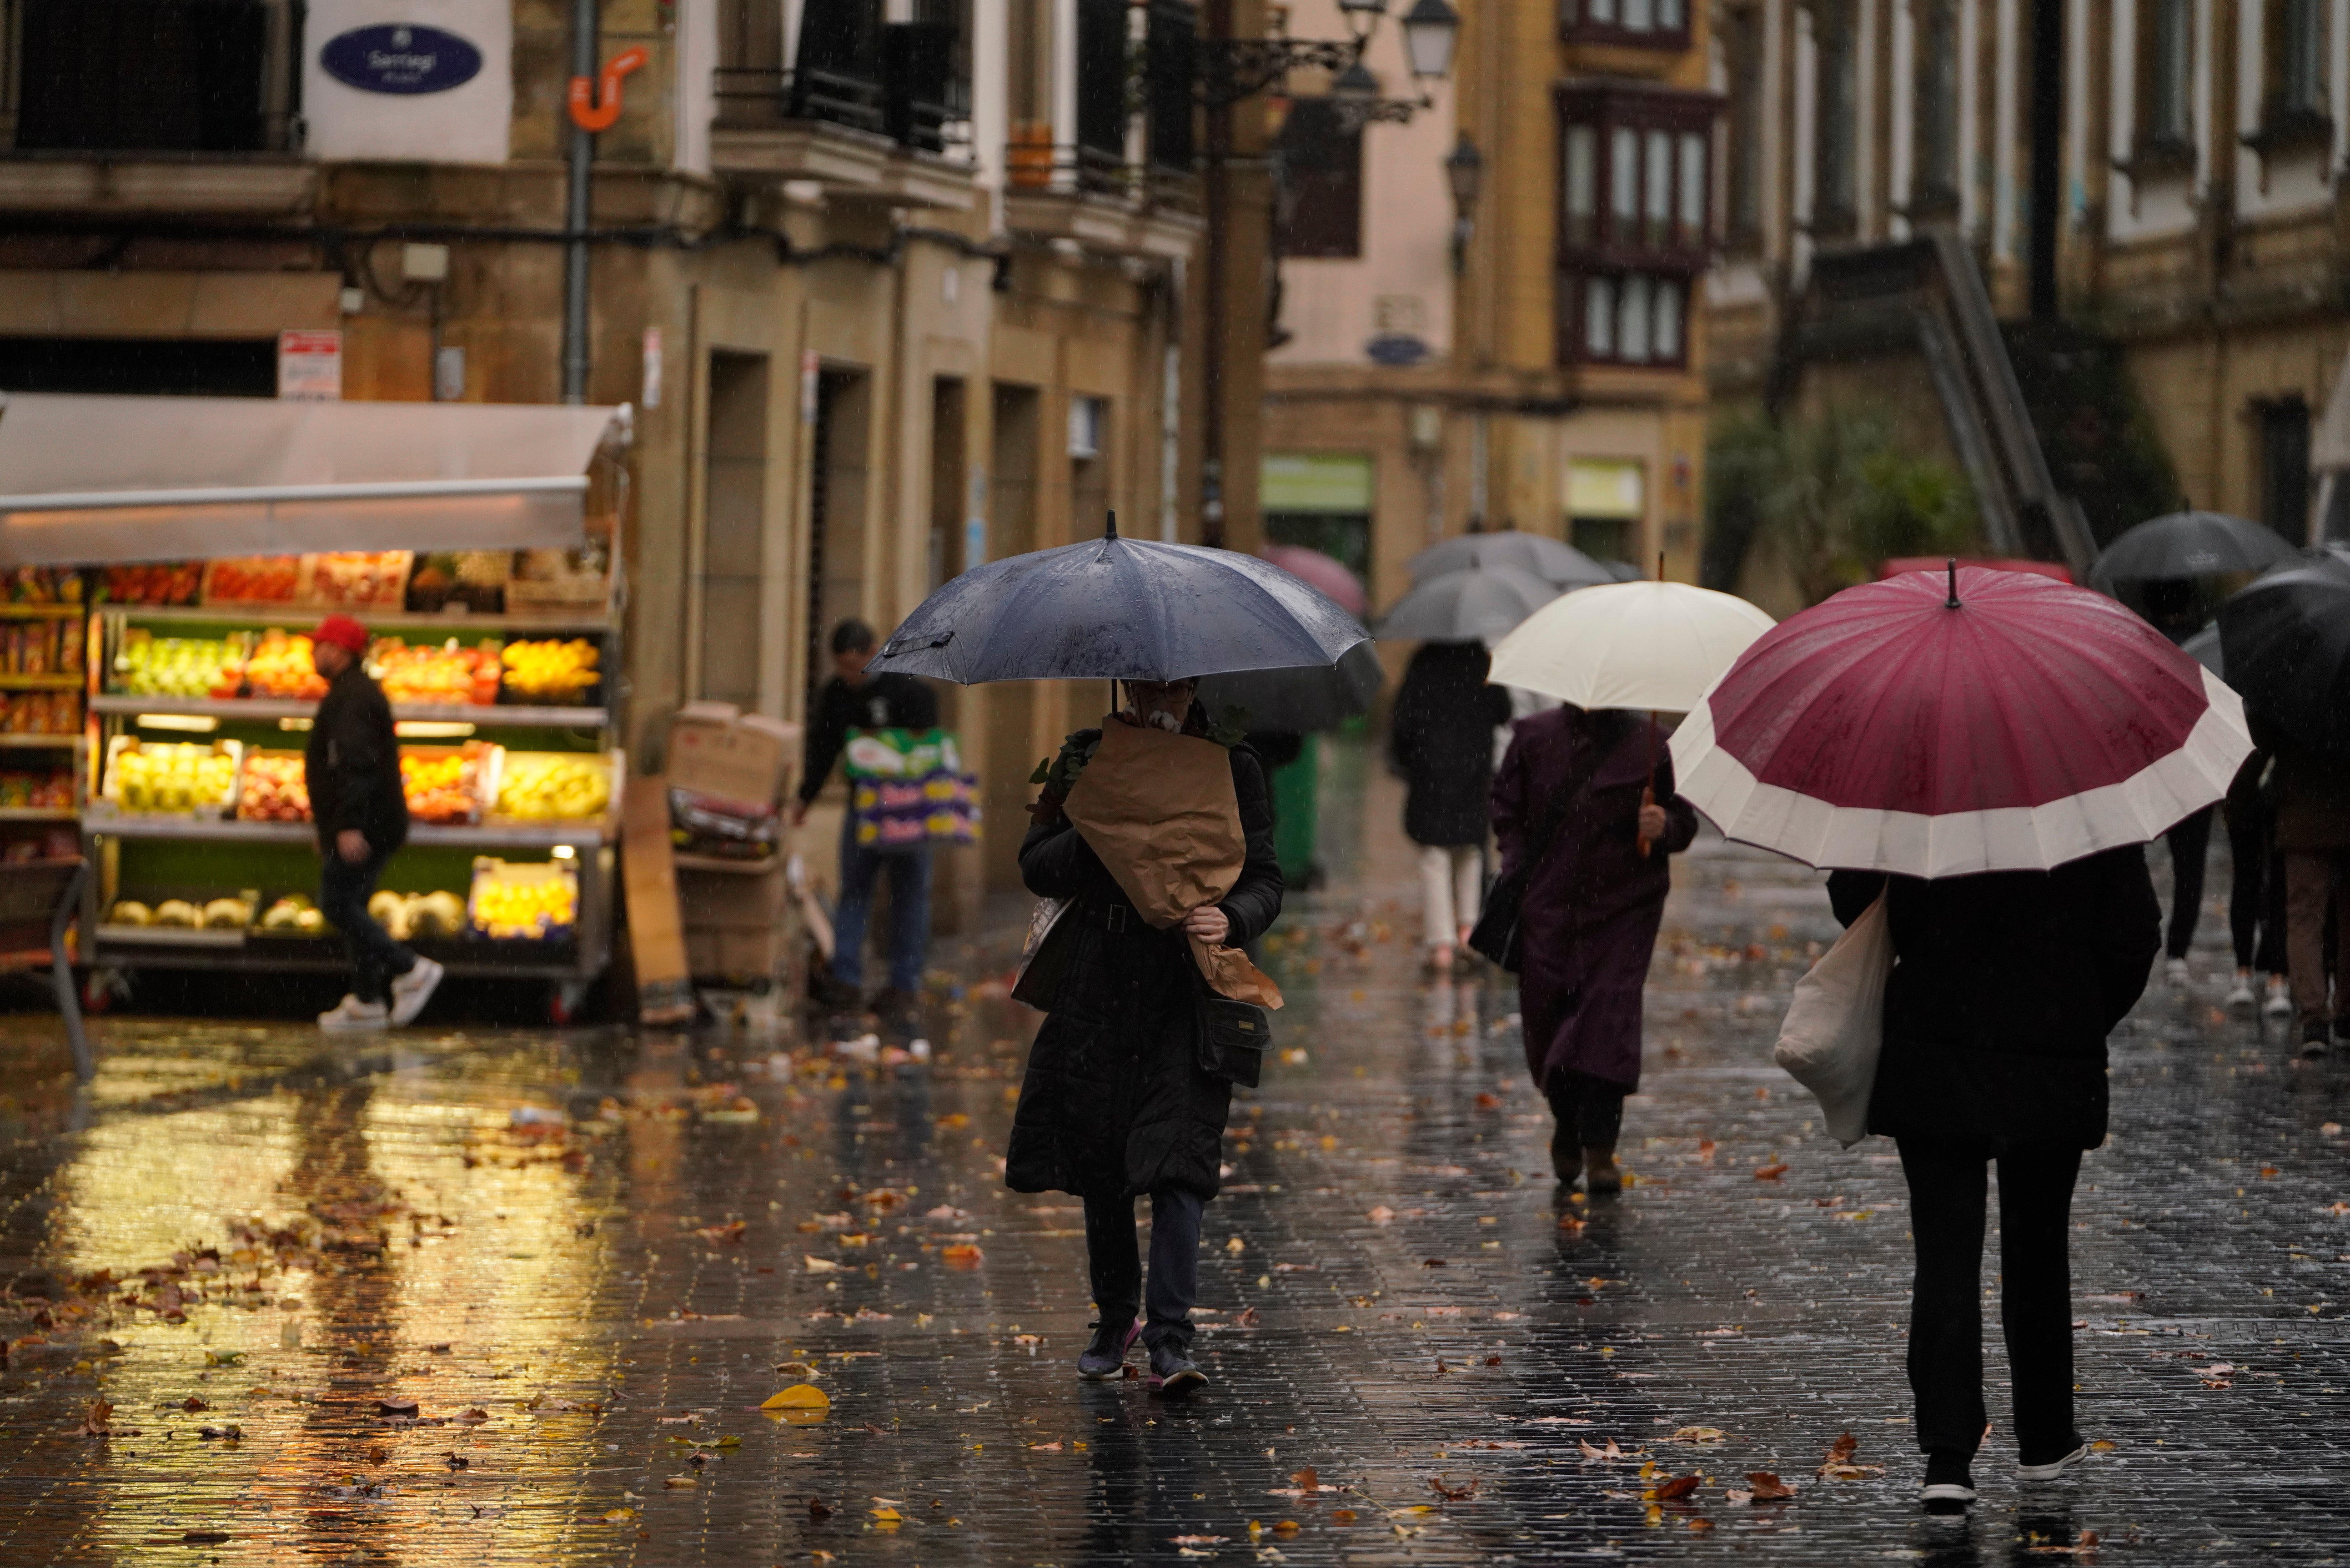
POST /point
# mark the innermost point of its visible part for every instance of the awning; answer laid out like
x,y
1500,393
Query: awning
x,y
96,479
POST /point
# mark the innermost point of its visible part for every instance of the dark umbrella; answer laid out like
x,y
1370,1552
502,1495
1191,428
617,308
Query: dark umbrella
x,y
2189,545
1481,603
1294,701
2286,642
1561,565
2203,648
1118,609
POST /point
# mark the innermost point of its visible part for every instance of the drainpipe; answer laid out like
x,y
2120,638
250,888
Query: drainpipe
x,y
584,21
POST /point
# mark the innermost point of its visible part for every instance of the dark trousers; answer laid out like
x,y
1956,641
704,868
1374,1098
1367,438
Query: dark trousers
x,y
344,888
2256,891
1946,1196
2190,843
1114,1262
1592,1108
2317,931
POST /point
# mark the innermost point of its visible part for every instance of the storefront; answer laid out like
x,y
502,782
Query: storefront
x,y
160,560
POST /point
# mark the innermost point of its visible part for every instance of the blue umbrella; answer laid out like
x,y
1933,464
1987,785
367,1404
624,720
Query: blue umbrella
x,y
1118,609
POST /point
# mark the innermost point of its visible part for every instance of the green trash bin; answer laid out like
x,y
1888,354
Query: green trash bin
x,y
1295,792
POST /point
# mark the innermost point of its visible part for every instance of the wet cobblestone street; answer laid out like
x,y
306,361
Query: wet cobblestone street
x,y
475,1298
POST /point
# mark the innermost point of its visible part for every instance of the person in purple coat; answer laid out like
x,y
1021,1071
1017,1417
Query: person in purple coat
x,y
1592,906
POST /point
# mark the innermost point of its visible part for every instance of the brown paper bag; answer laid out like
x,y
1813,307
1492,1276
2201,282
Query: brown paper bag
x,y
1159,811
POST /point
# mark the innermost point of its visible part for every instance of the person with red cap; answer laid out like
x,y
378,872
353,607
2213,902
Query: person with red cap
x,y
360,813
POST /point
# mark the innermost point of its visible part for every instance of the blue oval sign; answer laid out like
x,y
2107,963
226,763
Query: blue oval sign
x,y
401,58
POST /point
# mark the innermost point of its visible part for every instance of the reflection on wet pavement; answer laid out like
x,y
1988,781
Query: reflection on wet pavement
x,y
516,1297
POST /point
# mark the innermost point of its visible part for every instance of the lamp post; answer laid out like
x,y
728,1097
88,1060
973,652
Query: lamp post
x,y
1230,71
1464,171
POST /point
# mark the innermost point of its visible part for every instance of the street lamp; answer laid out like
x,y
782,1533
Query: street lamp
x,y
1431,29
1464,171
1362,16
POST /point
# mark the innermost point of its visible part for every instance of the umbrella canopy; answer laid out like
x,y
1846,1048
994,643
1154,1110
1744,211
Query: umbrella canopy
x,y
1117,609
1477,603
2189,545
1940,726
2203,648
1327,573
2286,639
1560,564
1629,645
1294,701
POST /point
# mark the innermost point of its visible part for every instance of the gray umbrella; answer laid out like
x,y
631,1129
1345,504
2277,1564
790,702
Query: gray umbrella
x,y
2189,545
1561,565
1481,604
1118,609
1294,701
2203,648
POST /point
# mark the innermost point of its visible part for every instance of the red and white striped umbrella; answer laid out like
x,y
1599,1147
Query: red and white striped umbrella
x,y
1938,725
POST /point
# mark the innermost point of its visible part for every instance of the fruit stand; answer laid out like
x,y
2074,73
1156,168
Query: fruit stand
x,y
196,811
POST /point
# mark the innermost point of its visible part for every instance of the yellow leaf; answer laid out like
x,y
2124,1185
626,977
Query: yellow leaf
x,y
678,1483
885,1516
620,1516
798,1396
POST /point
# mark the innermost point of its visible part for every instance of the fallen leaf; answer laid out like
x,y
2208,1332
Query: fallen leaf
x,y
819,1510
1768,1487
1705,1146
620,1516
1839,1464
1733,1495
1453,1493
1698,1435
378,1454
1308,1480
457,1461
204,1537
886,1515
1343,1516
1671,1490
1198,1540
816,1265
678,1483
1286,1527
1772,1172
1610,1452
97,1419
1052,1448
961,1255
798,1396
473,1417
192,1405
1381,1215
799,1369
396,1405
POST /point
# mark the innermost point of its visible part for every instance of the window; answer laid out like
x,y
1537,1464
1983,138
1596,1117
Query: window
x,y
1648,198
2292,96
1582,184
1321,165
1172,30
2284,467
2166,82
155,76
1689,226
1934,113
1658,23
1101,82
1634,318
1833,120
1741,48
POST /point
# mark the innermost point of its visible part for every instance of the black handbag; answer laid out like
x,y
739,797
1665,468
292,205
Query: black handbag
x,y
1500,933
1233,1038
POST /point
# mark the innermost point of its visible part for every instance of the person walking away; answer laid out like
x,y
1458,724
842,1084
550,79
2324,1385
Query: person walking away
x,y
853,700
2004,987
2170,608
1589,918
2256,890
360,814
1114,1102
1441,738
2313,836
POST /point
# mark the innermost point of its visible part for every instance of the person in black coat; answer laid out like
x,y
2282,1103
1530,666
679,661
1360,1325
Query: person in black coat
x,y
1114,1102
352,767
2004,987
1441,738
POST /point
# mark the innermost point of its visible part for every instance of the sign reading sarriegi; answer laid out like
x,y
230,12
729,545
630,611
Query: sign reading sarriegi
x,y
401,58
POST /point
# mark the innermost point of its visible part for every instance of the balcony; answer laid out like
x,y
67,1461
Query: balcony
x,y
889,123
1094,197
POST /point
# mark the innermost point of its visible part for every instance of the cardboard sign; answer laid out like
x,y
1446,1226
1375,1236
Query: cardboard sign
x,y
907,787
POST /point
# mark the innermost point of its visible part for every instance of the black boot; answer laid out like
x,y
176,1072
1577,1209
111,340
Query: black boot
x,y
1566,1158
1603,1177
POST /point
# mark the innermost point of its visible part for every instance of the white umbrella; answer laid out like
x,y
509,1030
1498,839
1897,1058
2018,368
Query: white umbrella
x,y
1629,645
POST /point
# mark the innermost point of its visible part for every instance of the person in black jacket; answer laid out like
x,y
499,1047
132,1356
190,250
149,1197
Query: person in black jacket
x,y
853,700
1114,1103
360,814
2004,987
1441,739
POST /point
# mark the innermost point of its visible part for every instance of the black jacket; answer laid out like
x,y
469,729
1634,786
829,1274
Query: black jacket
x,y
888,702
1114,1100
352,764
1441,739
2004,987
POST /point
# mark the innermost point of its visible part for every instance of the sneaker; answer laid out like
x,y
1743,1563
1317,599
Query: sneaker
x,y
1602,1177
1104,1356
1172,1371
1950,1484
352,1013
411,991
1566,1159
2312,1040
2241,999
2049,1469
2175,972
2280,1002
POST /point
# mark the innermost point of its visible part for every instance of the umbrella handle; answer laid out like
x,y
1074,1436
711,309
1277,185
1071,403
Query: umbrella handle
x,y
1648,799
1649,791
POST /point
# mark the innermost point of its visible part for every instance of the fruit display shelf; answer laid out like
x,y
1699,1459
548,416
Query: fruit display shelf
x,y
100,818
72,680
15,742
501,715
520,623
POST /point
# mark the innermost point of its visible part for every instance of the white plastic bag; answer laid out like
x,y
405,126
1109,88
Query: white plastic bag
x,y
1836,1025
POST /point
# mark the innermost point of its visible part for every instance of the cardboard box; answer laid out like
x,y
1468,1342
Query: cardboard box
x,y
736,955
715,748
739,925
